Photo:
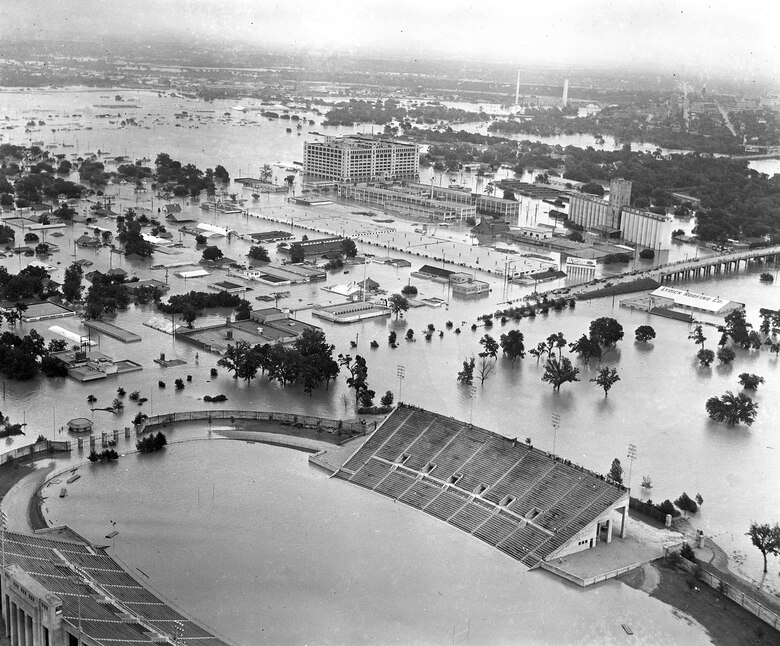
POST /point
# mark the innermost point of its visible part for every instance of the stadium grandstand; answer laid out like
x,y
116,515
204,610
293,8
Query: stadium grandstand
x,y
530,505
60,590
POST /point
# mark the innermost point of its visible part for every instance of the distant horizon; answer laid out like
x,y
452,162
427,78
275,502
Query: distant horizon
x,y
663,36
564,70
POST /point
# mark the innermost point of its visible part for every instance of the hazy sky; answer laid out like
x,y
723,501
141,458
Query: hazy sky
x,y
717,35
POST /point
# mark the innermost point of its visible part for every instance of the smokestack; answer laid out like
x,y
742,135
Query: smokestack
x,y
565,92
517,89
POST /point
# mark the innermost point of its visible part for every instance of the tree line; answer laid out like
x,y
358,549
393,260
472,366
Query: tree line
x,y
308,362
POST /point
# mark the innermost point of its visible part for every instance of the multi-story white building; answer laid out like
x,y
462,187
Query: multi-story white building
x,y
360,158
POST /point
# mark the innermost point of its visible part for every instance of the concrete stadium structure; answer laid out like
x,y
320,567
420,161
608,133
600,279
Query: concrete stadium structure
x,y
58,589
530,505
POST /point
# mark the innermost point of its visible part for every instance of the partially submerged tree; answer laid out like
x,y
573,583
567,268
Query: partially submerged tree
x,y
644,334
687,504
397,304
606,378
698,336
539,351
749,381
616,471
487,358
512,345
558,372
466,376
212,253
765,538
705,357
732,409
556,342
259,253
586,348
726,355
606,331
71,286
358,374
738,328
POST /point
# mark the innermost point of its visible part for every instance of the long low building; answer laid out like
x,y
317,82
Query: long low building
x,y
530,505
280,276
413,200
683,299
318,247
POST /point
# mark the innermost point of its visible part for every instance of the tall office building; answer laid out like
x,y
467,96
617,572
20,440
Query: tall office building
x,y
565,92
360,158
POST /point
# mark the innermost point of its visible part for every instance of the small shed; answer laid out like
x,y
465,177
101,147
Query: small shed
x,y
80,425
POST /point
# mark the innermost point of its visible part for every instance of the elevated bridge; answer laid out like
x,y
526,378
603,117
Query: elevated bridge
x,y
715,265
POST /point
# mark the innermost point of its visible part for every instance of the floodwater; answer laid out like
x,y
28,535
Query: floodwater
x,y
658,405
265,549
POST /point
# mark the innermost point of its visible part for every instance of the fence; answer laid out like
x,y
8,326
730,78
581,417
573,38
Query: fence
x,y
353,427
584,582
33,450
649,510
734,593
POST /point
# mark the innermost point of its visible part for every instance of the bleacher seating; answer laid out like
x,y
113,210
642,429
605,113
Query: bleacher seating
x,y
370,475
452,457
400,441
375,441
395,484
428,443
508,494
487,466
496,528
421,493
446,504
470,517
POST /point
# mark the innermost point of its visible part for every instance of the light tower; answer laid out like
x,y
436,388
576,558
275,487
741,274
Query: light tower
x,y
565,92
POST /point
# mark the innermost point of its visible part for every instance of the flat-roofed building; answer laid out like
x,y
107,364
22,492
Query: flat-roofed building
x,y
508,210
413,200
318,246
536,233
445,194
356,158
695,301
463,284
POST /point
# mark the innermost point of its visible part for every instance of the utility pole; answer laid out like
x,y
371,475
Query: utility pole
x,y
631,456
